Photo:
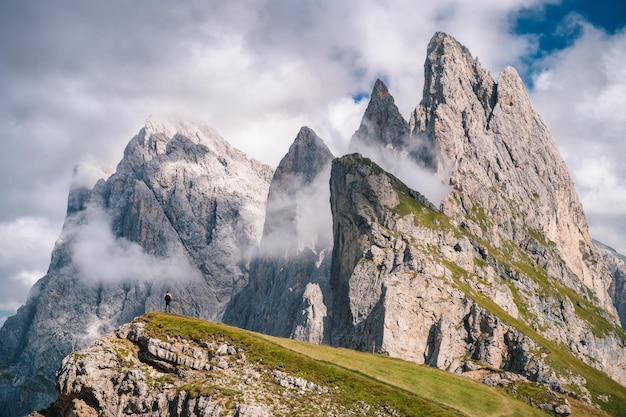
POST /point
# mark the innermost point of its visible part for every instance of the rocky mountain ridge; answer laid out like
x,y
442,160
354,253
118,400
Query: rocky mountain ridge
x,y
502,275
492,236
503,159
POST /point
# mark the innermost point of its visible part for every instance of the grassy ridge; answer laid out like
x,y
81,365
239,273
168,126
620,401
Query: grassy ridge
x,y
348,387
380,381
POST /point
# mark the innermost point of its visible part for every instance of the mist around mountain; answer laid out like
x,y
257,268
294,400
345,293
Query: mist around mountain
x,y
455,239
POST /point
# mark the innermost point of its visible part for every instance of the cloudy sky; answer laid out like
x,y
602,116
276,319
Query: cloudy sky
x,y
78,79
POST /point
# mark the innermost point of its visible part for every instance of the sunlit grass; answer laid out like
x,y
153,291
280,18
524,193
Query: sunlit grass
x,y
348,387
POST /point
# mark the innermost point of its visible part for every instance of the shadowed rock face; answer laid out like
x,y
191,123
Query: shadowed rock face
x,y
182,212
382,124
288,287
616,264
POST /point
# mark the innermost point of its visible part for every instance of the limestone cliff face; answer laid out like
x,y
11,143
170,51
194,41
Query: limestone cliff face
x,y
288,288
182,212
362,196
503,161
409,283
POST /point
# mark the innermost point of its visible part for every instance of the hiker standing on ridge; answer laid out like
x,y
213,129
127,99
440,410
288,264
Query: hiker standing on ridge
x,y
168,299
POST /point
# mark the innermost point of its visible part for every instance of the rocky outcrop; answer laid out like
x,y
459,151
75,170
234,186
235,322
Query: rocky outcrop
x,y
129,372
182,212
288,287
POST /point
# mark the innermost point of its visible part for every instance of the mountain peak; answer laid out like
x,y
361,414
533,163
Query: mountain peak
x,y
454,76
162,136
382,123
380,90
306,156
511,90
502,159
443,44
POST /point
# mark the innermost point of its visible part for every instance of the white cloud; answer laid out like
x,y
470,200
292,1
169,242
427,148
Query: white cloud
x,y
86,174
312,221
430,185
25,249
101,257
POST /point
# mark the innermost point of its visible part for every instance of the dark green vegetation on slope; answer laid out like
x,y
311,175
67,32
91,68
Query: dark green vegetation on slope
x,y
355,377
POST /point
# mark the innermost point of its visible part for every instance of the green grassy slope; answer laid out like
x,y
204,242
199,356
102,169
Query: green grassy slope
x,y
357,377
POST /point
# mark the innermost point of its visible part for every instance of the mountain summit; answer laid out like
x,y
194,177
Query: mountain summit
x,y
503,160
382,123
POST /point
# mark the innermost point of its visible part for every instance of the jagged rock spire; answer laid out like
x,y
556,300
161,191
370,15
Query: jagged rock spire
x,y
385,136
289,277
502,160
382,124
454,77
308,156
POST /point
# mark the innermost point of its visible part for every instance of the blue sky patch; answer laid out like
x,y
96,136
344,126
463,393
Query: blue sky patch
x,y
558,26
552,26
360,96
